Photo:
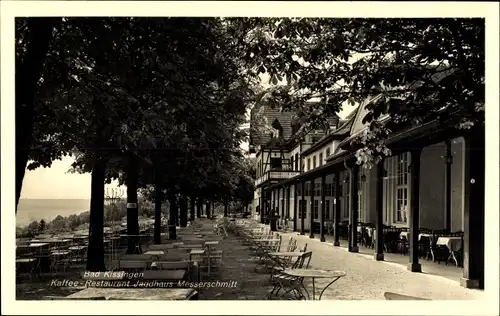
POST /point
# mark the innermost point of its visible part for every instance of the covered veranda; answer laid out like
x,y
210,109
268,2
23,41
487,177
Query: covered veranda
x,y
463,248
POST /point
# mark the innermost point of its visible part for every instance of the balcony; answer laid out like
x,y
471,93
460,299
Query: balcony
x,y
275,176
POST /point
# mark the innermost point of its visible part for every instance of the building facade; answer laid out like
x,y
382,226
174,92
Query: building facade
x,y
433,181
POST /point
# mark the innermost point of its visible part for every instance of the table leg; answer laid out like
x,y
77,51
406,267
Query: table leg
x,y
321,294
314,290
305,289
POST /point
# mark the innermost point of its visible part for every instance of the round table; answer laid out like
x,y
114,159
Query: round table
x,y
315,274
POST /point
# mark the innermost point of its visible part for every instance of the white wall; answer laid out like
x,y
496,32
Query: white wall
x,y
432,188
294,151
332,145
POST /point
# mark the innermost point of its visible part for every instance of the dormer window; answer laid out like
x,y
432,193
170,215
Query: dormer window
x,y
279,129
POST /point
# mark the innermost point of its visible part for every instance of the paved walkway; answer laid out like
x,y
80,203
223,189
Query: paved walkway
x,y
369,279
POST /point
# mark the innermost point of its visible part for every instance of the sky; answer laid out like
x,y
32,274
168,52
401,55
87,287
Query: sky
x,y
56,183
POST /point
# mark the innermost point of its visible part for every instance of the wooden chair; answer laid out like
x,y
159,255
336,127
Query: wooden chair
x,y
288,283
438,252
216,258
424,246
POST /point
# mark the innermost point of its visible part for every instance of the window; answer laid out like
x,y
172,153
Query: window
x,y
308,164
346,195
320,159
402,188
307,193
314,162
291,163
327,151
317,187
302,209
278,128
327,209
275,163
329,189
296,162
316,209
299,189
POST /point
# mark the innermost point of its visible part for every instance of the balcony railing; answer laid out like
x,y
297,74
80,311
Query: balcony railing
x,y
276,175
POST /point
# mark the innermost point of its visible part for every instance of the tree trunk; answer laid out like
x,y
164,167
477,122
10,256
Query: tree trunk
x,y
132,209
199,208
95,253
192,213
183,218
27,76
158,201
172,234
177,211
207,210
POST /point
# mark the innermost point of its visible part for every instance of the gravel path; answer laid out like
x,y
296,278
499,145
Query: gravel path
x,y
365,279
369,279
237,267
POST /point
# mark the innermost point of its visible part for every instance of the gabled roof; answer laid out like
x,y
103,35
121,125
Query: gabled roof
x,y
284,119
338,134
342,132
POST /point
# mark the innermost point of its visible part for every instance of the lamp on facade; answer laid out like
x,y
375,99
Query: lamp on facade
x,y
384,174
408,169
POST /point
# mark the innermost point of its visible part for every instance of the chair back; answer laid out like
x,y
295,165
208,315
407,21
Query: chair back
x,y
425,241
304,249
305,260
292,246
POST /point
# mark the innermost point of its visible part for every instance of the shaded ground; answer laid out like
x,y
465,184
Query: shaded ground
x,y
37,288
369,279
237,267
365,279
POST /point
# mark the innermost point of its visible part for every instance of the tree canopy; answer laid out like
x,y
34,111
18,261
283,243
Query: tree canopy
x,y
414,70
